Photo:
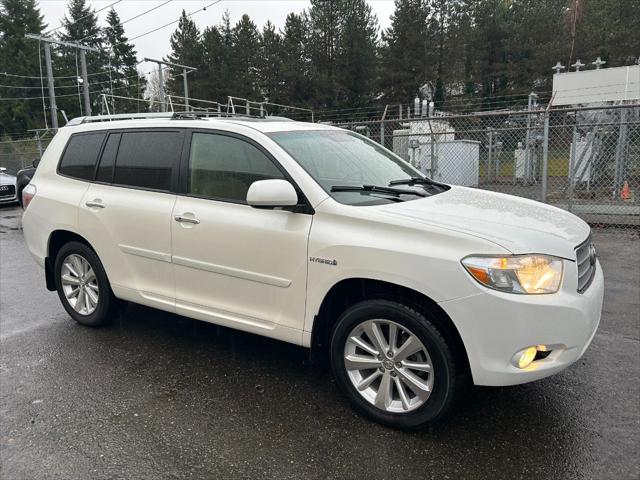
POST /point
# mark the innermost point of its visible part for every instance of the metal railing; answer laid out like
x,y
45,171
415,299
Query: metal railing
x,y
585,160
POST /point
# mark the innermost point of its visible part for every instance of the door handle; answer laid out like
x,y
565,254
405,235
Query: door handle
x,y
97,203
183,219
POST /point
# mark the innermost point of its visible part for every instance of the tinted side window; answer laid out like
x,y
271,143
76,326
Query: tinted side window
x,y
224,167
79,158
147,159
108,159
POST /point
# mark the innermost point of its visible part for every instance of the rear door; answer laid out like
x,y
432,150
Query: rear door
x,y
234,264
126,213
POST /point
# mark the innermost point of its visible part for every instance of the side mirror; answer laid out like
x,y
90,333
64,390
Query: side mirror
x,y
271,194
35,163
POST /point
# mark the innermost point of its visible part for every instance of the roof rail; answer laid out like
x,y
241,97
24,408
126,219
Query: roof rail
x,y
155,115
119,116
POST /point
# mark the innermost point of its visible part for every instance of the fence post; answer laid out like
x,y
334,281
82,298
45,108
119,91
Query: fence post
x,y
490,156
384,116
545,158
39,143
618,177
572,163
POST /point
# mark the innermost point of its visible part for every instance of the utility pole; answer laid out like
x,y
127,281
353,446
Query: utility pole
x,y
52,93
85,81
161,82
185,71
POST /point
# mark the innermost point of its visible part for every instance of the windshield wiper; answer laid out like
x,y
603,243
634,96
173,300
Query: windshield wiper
x,y
376,189
416,181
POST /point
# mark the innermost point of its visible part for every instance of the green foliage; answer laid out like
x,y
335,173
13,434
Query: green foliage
x,y
186,49
478,54
125,81
19,56
80,25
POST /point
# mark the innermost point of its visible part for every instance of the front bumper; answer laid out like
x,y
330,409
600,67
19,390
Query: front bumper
x,y
495,325
8,199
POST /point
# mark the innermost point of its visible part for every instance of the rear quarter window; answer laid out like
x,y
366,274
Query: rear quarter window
x,y
80,155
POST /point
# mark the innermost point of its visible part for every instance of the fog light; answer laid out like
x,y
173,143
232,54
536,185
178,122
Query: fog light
x,y
527,356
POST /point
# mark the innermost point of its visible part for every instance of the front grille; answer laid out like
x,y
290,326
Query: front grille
x,y
7,190
586,260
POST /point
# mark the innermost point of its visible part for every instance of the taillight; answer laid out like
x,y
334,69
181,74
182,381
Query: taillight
x,y
27,195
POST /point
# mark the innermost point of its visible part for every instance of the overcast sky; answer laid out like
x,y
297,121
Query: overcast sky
x,y
156,44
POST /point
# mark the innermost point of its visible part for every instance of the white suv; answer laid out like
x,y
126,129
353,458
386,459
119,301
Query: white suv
x,y
320,237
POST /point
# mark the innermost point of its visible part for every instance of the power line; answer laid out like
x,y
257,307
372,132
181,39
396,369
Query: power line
x,y
132,18
36,98
42,77
82,18
175,21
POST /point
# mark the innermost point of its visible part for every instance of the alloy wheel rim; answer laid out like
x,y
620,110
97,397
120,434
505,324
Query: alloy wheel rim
x,y
388,366
80,284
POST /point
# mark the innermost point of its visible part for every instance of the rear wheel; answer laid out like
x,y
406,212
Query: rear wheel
x,y
83,286
393,364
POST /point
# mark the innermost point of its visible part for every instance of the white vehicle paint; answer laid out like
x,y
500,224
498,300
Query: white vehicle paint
x,y
270,271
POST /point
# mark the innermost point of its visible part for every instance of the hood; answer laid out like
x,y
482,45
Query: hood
x,y
518,224
6,179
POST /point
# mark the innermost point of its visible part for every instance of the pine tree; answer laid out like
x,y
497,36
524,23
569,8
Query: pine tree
x,y
270,64
323,21
404,51
186,49
214,82
125,79
20,56
356,58
81,25
295,64
246,44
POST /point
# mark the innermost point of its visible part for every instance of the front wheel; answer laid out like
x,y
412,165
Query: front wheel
x,y
83,286
393,364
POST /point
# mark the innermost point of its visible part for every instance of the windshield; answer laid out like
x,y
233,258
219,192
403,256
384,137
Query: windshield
x,y
339,158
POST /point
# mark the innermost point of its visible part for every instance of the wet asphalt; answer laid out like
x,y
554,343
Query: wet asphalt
x,y
160,396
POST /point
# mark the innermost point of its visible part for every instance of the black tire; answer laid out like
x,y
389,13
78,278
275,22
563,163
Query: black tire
x,y
447,373
106,309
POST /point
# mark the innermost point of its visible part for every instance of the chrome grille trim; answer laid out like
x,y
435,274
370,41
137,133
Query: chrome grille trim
x,y
586,261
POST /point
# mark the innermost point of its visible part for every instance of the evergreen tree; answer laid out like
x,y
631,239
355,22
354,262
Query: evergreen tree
x,y
187,49
295,64
270,63
81,25
20,56
356,58
125,80
217,46
216,71
324,25
246,45
404,51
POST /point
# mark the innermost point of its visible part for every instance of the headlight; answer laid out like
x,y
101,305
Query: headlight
x,y
518,273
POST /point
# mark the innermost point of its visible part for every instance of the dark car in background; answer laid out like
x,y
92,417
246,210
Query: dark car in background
x,y
23,177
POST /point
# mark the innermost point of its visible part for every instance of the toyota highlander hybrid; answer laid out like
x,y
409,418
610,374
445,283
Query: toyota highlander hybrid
x,y
320,237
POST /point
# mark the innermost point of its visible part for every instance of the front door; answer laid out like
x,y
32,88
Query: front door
x,y
236,265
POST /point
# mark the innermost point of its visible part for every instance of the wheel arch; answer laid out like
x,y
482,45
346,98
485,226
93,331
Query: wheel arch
x,y
349,291
57,239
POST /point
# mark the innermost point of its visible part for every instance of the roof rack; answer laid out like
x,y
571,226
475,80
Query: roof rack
x,y
167,115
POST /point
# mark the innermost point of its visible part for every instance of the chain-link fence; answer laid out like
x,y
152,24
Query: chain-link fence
x,y
584,160
19,151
